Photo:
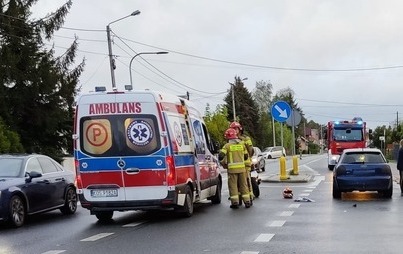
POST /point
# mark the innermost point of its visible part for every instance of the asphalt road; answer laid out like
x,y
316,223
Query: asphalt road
x,y
357,223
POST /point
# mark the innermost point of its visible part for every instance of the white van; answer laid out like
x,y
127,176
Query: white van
x,y
142,150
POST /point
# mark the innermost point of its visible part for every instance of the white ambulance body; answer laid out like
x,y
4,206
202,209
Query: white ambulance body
x,y
142,150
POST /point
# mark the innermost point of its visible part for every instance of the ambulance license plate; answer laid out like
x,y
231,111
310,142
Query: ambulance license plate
x,y
104,193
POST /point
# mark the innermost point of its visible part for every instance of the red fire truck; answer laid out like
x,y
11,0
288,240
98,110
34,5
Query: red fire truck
x,y
341,135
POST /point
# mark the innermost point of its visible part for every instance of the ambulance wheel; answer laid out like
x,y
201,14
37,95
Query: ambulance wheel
x,y
217,197
187,209
104,216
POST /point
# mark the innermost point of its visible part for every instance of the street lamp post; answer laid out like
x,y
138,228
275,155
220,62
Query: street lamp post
x,y
233,95
142,53
111,60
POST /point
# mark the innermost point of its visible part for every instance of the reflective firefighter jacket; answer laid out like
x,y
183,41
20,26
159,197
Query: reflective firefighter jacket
x,y
249,147
234,154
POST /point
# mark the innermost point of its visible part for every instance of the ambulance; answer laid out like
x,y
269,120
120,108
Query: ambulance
x,y
142,150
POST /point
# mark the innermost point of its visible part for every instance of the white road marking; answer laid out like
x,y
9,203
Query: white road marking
x,y
134,224
54,252
316,173
313,161
277,223
304,194
294,205
307,190
264,238
287,213
96,237
317,180
250,252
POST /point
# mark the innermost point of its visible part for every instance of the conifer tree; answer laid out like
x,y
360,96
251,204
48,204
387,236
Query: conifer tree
x,y
37,88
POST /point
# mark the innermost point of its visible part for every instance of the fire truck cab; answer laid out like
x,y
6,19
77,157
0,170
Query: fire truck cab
x,y
341,135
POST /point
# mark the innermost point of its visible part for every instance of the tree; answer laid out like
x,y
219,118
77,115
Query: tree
x,y
245,107
9,140
217,123
37,89
262,95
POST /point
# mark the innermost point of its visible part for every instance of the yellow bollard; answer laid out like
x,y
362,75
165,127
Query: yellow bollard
x,y
283,173
295,165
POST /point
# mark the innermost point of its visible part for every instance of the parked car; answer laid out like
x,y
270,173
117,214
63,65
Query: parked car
x,y
257,160
273,152
32,184
362,169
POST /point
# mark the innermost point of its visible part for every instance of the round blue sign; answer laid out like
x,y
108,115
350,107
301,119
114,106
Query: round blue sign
x,y
280,111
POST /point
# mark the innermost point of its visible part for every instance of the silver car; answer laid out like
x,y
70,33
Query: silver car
x,y
273,152
258,162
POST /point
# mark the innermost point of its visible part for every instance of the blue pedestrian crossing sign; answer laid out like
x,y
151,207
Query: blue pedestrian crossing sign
x,y
281,111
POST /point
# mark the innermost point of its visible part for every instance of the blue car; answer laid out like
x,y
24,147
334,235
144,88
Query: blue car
x,y
362,169
32,184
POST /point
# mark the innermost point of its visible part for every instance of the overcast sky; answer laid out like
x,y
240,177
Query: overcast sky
x,y
342,58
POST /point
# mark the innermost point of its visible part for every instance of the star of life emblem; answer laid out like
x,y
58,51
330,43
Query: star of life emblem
x,y
140,133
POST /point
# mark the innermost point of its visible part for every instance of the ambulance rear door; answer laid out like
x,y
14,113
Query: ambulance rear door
x,y
122,148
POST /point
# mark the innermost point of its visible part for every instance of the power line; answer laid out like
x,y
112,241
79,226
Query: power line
x,y
164,74
271,67
353,103
149,78
83,30
238,63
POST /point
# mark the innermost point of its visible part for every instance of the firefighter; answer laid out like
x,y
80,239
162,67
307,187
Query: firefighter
x,y
232,156
249,146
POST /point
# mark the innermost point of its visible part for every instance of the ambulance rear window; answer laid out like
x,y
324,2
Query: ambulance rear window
x,y
119,135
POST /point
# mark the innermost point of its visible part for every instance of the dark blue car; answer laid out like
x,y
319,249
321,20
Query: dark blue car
x,y
362,169
32,184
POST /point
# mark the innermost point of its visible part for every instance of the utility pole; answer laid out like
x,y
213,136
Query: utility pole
x,y
397,119
237,80
111,59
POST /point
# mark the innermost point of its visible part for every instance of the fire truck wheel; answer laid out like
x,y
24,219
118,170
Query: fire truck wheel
x,y
330,167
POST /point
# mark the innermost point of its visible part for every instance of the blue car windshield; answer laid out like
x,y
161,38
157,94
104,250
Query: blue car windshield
x,y
10,167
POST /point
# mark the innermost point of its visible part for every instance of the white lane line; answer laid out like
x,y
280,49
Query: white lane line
x,y
250,252
277,223
96,237
54,252
263,238
294,205
316,173
287,213
133,224
307,190
304,194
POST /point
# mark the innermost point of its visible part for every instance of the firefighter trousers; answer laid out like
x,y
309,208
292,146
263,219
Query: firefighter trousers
x,y
237,183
